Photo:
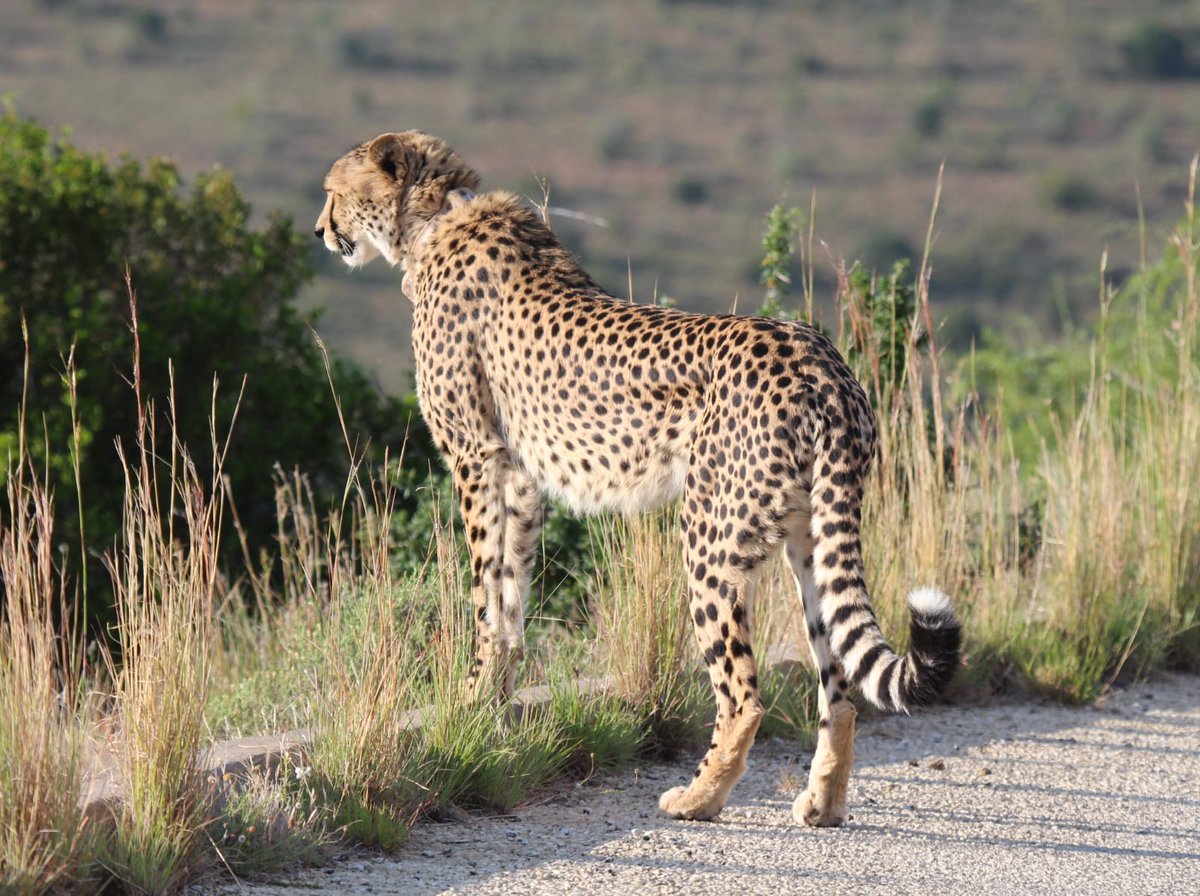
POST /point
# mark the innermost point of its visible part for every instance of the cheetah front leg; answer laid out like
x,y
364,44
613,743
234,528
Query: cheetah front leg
x,y
523,516
719,596
480,485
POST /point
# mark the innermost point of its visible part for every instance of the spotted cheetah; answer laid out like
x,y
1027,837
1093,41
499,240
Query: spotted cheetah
x,y
533,380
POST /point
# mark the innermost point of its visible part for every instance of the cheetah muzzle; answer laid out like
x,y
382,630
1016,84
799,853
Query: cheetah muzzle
x,y
535,381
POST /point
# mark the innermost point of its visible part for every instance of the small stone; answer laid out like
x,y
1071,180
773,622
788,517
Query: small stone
x,y
937,765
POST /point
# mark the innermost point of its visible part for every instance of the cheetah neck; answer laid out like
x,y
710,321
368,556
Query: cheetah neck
x,y
422,236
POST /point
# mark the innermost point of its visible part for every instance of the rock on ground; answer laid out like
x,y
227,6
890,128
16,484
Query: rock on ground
x,y
1013,797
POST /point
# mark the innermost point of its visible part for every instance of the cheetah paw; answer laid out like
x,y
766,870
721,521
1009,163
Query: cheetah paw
x,y
689,803
817,813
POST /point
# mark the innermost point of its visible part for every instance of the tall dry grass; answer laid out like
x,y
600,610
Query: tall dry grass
x,y
643,630
1067,576
166,579
1088,567
45,840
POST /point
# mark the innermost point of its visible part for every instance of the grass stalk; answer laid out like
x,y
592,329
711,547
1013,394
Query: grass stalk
x,y
642,626
165,577
45,841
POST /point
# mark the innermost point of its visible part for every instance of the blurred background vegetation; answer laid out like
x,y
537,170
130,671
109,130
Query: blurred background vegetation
x,y
1037,448
1064,127
678,123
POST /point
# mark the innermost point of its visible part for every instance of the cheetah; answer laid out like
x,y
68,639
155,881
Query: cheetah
x,y
535,381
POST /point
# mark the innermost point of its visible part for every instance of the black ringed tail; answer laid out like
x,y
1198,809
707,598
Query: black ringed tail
x,y
898,683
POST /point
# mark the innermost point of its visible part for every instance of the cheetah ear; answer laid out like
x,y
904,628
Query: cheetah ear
x,y
389,153
458,198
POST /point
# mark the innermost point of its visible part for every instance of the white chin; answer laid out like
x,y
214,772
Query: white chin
x,y
363,254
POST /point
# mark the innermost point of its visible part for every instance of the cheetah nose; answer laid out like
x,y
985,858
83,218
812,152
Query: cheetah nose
x,y
319,232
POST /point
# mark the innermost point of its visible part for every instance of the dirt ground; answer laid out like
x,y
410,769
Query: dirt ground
x,y
1013,797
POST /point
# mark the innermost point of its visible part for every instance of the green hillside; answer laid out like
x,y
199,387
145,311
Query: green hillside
x,y
679,124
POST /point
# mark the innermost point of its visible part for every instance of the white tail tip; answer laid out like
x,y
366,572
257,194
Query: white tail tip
x,y
931,602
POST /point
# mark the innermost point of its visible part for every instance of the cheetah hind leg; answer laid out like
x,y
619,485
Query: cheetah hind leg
x,y
722,766
823,802
723,634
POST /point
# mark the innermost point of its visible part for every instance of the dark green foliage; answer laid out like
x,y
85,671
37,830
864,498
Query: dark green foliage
x,y
618,140
1038,382
1152,50
781,229
425,500
213,302
1069,192
366,50
882,308
562,570
929,115
883,311
149,24
691,190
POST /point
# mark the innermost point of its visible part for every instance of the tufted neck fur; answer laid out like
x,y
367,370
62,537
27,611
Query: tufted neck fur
x,y
417,235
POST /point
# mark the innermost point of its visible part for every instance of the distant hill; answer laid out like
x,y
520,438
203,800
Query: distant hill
x,y
679,124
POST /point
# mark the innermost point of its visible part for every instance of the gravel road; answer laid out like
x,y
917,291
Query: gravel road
x,y
1013,797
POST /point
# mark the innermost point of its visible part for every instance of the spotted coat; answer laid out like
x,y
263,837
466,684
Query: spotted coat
x,y
535,381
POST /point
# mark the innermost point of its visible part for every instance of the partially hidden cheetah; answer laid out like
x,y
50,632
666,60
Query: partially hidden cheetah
x,y
534,380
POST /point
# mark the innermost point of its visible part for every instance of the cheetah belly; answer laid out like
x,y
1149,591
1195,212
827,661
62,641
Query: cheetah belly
x,y
586,485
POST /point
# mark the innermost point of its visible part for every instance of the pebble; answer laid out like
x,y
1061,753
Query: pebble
x,y
1052,824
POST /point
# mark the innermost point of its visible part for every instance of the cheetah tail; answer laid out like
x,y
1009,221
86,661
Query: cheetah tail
x,y
898,683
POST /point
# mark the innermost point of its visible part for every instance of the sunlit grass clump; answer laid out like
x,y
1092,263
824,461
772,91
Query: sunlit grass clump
x,y
1073,565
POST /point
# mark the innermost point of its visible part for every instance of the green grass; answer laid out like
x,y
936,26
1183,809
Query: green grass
x,y
1072,571
1084,567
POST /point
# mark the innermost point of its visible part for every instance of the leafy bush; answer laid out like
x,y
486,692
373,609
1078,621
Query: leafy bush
x,y
883,310
929,114
691,190
1069,192
366,50
214,307
781,229
1152,50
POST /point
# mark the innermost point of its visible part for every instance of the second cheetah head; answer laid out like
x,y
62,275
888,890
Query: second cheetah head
x,y
380,195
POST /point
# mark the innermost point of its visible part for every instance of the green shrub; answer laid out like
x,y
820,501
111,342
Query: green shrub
x,y
148,24
367,50
1068,192
617,140
781,230
214,307
929,115
1152,50
691,190
882,310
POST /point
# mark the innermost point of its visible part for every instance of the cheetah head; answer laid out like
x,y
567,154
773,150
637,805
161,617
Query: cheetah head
x,y
381,195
